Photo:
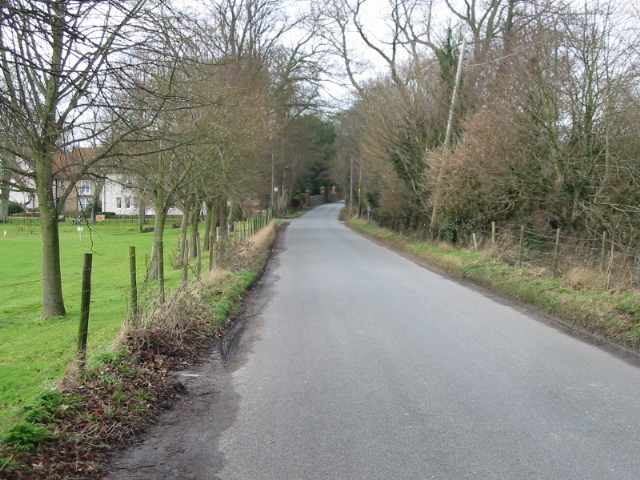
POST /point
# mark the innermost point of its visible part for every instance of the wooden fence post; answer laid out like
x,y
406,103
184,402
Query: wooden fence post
x,y
521,246
609,269
85,307
493,234
555,253
134,282
199,257
475,241
161,270
211,247
185,262
603,252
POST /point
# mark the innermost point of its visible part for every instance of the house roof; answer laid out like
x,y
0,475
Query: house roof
x,y
69,164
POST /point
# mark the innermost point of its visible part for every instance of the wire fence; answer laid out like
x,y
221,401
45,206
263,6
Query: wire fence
x,y
36,352
608,260
33,220
611,259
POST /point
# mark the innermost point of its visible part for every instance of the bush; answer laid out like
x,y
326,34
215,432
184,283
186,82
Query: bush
x,y
15,208
27,435
107,214
48,401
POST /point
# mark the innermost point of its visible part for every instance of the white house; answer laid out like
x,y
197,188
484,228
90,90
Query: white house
x,y
120,198
117,196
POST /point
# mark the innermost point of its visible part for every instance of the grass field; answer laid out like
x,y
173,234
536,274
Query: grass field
x,y
34,352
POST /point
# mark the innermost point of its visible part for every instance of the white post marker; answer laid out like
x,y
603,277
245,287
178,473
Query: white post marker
x,y
80,232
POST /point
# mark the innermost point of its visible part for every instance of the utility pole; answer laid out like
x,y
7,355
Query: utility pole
x,y
454,96
359,189
273,181
447,137
351,190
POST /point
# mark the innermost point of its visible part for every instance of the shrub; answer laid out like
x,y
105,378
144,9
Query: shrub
x,y
27,435
15,208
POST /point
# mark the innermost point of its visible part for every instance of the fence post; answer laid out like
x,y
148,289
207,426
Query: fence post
x,y
493,234
521,246
603,252
85,307
161,270
134,282
185,262
199,257
610,266
475,241
556,252
211,247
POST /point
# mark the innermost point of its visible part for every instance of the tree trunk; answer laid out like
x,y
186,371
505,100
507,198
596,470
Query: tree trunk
x,y
193,221
158,233
4,205
5,176
142,209
182,242
53,300
95,200
209,224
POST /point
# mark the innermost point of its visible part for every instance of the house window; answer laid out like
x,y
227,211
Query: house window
x,y
127,202
85,187
118,202
83,203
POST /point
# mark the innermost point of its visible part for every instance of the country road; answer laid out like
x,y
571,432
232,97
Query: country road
x,y
358,364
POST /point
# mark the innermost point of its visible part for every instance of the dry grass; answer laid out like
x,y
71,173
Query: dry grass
x,y
444,246
261,239
537,272
453,260
581,278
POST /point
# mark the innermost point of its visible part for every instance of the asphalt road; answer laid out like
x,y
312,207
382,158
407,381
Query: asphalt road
x,y
360,364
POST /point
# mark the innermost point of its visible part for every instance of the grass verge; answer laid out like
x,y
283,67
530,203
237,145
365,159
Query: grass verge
x,y
574,298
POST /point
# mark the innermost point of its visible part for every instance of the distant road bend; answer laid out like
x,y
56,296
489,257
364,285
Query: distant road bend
x,y
359,364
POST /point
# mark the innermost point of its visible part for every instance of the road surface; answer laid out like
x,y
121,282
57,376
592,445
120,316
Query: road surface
x,y
359,364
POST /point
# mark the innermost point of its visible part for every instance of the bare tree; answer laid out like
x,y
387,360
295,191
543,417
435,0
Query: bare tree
x,y
59,59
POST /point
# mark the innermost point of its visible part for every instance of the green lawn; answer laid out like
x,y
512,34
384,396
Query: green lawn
x,y
35,353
